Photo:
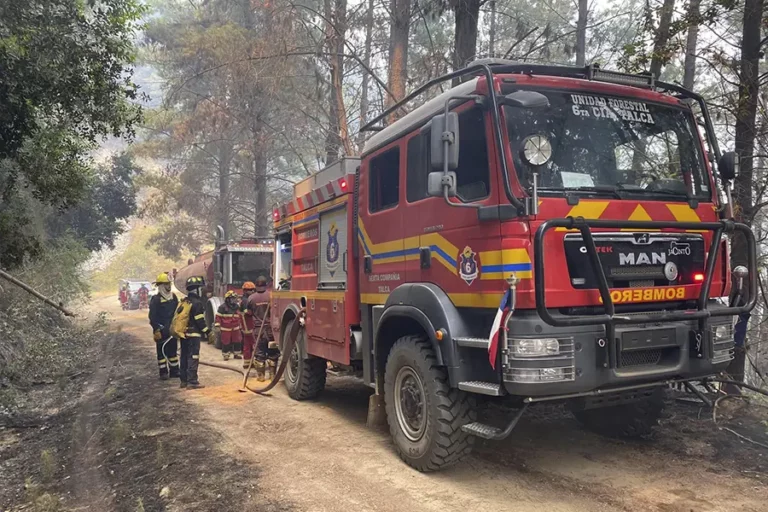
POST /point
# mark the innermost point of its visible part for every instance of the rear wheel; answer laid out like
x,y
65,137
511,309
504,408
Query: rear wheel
x,y
425,415
304,377
631,420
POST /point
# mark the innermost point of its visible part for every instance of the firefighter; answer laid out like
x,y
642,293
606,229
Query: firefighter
x,y
161,309
143,296
246,324
196,330
124,296
228,323
266,356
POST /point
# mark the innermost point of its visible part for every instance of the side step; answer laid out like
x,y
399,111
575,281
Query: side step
x,y
481,430
495,434
482,388
473,342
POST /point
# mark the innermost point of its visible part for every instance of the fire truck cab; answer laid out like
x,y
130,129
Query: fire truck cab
x,y
536,233
227,267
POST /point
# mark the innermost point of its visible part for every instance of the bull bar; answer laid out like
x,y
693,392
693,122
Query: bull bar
x,y
609,318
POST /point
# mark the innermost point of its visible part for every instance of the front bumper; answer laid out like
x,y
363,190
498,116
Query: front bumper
x,y
637,354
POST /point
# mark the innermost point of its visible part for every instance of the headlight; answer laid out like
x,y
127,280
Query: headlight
x,y
536,347
722,333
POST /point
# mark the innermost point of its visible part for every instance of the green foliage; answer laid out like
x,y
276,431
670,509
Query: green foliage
x,y
100,216
65,84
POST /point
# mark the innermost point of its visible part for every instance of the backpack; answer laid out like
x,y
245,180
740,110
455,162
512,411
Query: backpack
x,y
180,320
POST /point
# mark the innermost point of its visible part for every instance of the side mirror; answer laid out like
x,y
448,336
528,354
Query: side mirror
x,y
437,180
728,165
525,99
445,131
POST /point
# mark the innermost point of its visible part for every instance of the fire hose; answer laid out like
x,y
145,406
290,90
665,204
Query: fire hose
x,y
290,342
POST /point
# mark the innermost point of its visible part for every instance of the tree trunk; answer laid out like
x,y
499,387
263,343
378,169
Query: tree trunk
x,y
661,39
335,32
492,32
261,223
224,157
746,114
581,34
467,14
690,47
398,53
366,77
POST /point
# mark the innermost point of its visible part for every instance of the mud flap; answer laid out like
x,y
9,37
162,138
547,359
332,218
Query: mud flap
x,y
377,414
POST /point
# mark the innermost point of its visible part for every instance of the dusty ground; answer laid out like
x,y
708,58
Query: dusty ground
x,y
216,449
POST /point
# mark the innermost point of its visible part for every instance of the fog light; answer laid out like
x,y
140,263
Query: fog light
x,y
530,376
536,347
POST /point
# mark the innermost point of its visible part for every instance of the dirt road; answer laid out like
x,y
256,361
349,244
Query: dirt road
x,y
319,456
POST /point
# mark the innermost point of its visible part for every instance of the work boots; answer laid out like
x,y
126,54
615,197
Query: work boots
x,y
194,385
183,385
225,355
260,367
271,369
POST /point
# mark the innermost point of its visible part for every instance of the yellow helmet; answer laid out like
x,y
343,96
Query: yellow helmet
x,y
230,293
163,278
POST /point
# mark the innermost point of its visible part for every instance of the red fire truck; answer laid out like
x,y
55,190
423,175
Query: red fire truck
x,y
226,268
536,233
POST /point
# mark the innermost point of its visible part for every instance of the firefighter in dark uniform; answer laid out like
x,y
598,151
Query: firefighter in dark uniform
x,y
196,330
161,309
267,353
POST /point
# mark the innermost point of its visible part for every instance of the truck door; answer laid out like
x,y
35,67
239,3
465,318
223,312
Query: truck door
x,y
456,251
381,225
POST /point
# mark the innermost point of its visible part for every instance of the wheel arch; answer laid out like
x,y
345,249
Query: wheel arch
x,y
418,309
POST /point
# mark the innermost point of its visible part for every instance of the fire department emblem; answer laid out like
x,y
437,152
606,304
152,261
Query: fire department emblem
x,y
468,268
332,249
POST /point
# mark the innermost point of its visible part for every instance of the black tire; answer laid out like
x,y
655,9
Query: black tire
x,y
438,441
304,377
628,421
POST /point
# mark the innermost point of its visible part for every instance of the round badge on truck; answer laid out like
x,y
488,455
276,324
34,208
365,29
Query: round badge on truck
x,y
670,271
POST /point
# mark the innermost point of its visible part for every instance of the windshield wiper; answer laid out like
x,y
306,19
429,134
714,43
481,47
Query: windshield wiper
x,y
596,189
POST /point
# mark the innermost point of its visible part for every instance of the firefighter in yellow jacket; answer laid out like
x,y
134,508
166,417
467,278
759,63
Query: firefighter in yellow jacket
x,y
195,331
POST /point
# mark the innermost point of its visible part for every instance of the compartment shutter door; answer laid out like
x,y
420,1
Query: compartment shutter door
x,y
333,249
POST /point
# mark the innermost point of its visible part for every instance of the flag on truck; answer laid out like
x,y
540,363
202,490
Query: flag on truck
x,y
493,346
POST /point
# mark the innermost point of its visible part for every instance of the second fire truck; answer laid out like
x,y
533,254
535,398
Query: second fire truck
x,y
536,233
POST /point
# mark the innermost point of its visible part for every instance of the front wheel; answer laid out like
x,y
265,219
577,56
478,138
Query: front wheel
x,y
424,413
304,377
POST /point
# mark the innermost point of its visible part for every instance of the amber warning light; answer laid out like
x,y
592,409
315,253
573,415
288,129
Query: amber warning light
x,y
698,277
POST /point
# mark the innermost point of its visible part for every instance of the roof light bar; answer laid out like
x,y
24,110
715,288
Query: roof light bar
x,y
614,77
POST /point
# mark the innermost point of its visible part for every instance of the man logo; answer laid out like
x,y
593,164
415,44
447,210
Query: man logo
x,y
642,238
654,258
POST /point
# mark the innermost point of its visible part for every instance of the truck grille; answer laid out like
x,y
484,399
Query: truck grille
x,y
641,357
653,272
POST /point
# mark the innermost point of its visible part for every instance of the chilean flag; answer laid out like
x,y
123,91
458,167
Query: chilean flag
x,y
493,347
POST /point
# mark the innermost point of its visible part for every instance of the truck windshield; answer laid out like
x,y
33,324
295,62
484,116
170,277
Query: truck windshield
x,y
604,144
248,266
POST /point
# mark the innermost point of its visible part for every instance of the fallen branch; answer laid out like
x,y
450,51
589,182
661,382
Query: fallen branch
x,y
717,402
745,438
35,293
